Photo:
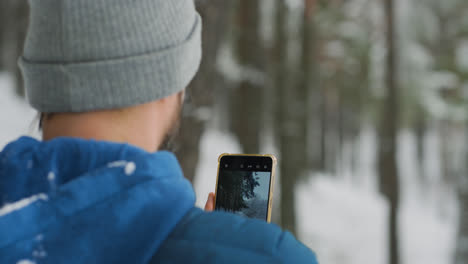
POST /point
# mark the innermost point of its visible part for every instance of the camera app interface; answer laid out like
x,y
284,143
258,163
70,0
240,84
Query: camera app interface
x,y
243,188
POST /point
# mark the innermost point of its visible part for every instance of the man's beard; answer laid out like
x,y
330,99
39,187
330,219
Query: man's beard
x,y
170,143
170,140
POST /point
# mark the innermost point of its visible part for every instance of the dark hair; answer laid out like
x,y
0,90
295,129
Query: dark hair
x,y
40,121
43,116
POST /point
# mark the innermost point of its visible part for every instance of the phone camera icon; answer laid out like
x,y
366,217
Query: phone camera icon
x,y
225,165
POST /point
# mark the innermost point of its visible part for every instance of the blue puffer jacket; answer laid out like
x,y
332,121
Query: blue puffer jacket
x,y
81,201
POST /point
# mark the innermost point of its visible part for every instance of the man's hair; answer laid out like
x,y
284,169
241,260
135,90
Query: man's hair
x,y
42,117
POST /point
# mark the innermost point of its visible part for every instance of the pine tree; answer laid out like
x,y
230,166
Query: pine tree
x,y
389,183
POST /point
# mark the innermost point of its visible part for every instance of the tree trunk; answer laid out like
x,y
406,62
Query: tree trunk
x,y
284,126
309,87
389,183
22,11
461,253
200,92
323,129
293,103
3,28
247,100
420,129
14,19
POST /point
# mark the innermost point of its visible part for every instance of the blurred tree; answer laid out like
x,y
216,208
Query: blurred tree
x,y
3,23
420,127
293,106
309,90
461,251
443,39
285,127
344,43
330,81
247,98
389,183
14,21
198,109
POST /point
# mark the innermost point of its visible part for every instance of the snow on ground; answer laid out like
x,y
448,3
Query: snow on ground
x,y
341,224
428,214
426,236
346,225
16,116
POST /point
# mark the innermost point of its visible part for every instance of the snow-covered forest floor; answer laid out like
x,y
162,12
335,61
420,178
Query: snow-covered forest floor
x,y
342,217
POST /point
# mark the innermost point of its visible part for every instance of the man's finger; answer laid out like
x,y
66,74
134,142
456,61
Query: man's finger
x,y
209,206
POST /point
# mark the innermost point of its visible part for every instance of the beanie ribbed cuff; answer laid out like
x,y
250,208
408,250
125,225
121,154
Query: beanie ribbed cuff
x,y
115,83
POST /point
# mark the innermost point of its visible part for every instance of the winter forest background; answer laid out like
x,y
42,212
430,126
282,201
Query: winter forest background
x,y
364,102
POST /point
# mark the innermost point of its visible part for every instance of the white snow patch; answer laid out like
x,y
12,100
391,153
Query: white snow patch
x,y
426,236
338,220
462,55
442,79
203,113
130,168
25,261
233,71
336,49
9,208
293,4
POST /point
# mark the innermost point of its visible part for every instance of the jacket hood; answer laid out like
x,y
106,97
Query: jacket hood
x,y
71,200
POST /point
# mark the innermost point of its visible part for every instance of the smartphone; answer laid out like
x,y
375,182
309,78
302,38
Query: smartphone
x,y
244,185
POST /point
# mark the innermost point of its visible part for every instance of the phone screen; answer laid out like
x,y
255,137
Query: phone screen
x,y
244,185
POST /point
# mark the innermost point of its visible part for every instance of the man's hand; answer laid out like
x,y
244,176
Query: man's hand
x,y
209,206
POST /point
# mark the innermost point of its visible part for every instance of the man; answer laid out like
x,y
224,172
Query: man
x,y
108,78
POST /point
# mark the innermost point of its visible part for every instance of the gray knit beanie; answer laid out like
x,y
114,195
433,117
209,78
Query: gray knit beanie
x,y
85,55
